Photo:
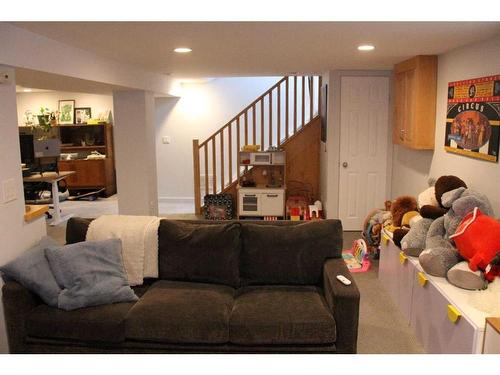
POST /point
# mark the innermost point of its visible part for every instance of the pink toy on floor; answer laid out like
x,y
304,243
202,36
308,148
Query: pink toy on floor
x,y
356,258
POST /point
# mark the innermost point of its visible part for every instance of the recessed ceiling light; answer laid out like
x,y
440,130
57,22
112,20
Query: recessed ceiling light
x,y
366,47
27,90
182,50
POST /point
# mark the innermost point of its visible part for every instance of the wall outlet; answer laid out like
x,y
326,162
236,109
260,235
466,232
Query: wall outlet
x,y
166,139
9,190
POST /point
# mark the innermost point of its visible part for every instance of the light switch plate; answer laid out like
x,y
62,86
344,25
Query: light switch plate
x,y
166,139
9,190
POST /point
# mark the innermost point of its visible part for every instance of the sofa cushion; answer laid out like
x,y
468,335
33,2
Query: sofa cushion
x,y
182,312
198,252
273,254
91,274
274,315
105,323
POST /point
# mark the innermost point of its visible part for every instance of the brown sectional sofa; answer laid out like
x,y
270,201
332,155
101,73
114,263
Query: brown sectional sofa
x,y
235,287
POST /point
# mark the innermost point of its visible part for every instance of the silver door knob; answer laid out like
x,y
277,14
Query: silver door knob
x,y
344,164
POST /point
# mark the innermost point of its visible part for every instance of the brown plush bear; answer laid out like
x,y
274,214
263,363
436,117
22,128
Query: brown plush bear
x,y
399,208
443,185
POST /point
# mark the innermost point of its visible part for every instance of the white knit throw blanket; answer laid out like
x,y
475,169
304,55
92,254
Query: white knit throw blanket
x,y
139,236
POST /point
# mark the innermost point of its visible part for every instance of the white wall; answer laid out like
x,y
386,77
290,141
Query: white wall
x,y
34,100
412,168
15,234
201,110
135,154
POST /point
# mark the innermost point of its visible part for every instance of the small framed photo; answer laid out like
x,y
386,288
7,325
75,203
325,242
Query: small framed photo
x,y
66,112
82,115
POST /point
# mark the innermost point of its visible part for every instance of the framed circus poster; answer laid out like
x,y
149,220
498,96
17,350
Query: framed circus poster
x,y
473,118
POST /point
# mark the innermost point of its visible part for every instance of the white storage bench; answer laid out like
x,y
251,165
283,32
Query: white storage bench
x,y
438,312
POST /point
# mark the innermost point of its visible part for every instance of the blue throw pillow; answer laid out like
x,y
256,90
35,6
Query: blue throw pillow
x,y
91,273
31,269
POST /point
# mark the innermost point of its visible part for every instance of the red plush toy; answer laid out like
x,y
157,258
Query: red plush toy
x,y
477,239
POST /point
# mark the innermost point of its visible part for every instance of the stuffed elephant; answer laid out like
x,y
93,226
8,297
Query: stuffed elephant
x,y
413,243
441,257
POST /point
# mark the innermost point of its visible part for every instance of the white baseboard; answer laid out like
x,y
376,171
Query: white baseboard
x,y
189,200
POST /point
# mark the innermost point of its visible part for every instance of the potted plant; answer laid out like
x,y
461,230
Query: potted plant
x,y
46,119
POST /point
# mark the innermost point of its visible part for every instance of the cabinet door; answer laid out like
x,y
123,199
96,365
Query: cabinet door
x,y
71,180
272,204
399,107
410,89
432,325
249,204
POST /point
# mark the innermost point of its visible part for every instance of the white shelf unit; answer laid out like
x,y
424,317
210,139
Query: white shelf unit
x,y
438,312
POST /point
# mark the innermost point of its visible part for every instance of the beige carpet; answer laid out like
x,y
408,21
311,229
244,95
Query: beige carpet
x,y
382,328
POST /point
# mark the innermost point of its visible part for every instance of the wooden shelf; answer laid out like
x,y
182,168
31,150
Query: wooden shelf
x,y
83,148
33,212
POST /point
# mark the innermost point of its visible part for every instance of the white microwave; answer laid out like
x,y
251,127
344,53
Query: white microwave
x,y
263,158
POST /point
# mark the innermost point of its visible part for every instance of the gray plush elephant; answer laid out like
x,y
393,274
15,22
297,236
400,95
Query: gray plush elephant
x,y
440,258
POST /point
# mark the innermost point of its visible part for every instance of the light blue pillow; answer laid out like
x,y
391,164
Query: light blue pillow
x,y
31,269
91,273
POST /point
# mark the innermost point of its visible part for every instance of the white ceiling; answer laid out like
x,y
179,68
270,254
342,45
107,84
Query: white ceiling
x,y
262,48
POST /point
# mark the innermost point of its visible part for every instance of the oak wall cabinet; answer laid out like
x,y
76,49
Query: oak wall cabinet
x,y
415,85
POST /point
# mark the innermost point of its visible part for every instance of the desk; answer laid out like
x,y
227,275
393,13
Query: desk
x,y
53,178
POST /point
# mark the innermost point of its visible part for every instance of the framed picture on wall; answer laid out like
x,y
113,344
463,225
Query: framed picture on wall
x,y
473,118
82,115
66,112
324,111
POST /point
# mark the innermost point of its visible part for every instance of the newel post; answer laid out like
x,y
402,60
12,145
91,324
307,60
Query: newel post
x,y
196,171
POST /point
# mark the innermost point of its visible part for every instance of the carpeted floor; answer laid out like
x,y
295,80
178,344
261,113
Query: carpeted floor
x,y
382,328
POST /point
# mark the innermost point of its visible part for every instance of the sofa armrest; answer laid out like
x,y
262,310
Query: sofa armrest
x,y
18,302
343,301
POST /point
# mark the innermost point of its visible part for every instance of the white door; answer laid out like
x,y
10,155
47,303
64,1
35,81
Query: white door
x,y
364,126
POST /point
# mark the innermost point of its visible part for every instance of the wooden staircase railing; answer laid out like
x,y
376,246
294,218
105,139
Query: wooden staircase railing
x,y
276,115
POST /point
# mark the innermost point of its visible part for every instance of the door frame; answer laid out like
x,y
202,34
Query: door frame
x,y
333,136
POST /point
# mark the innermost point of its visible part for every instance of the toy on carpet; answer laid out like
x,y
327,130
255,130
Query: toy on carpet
x,y
440,257
356,258
372,226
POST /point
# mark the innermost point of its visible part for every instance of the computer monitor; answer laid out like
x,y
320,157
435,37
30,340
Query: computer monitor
x,y
47,148
27,149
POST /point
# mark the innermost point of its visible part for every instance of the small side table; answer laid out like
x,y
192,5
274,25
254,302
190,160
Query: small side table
x,y
53,178
491,343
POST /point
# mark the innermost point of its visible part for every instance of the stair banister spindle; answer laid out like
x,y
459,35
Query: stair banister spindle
x,y
311,97
278,113
196,167
286,107
270,119
238,148
254,130
294,104
262,124
205,148
245,116
230,150
214,167
222,159
303,101
320,82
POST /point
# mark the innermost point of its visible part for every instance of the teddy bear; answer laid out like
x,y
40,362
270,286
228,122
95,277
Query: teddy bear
x,y
435,207
430,208
440,255
401,206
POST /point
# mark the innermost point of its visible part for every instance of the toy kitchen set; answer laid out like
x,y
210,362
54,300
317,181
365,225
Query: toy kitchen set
x,y
261,193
